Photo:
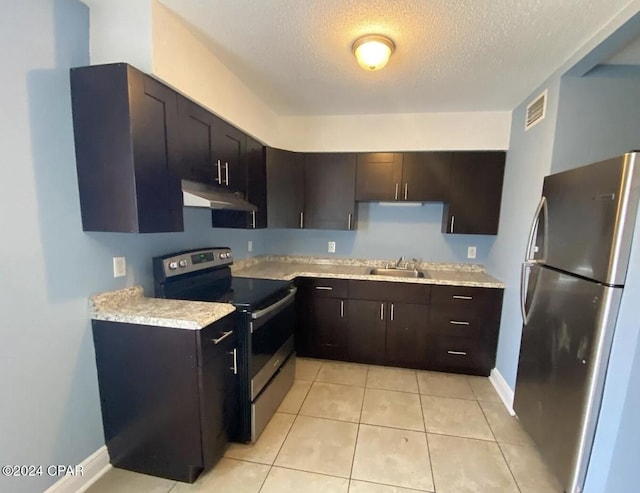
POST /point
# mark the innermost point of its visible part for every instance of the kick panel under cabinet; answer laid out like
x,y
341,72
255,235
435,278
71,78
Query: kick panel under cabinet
x,y
411,325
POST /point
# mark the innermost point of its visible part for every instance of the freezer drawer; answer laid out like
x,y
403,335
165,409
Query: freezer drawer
x,y
563,358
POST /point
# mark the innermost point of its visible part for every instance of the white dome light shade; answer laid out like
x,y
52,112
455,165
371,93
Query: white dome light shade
x,y
373,51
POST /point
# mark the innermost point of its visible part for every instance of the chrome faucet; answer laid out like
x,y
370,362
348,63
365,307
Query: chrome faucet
x,y
399,262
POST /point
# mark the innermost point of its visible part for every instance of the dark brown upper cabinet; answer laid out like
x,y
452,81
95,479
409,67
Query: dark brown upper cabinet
x,y
379,175
285,189
212,149
127,144
475,193
407,176
426,176
329,191
256,186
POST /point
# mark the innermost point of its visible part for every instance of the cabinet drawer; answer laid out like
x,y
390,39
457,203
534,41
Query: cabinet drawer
x,y
324,287
390,291
458,322
461,355
216,338
464,296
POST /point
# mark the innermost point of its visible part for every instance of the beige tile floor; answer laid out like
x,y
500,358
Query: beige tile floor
x,y
347,428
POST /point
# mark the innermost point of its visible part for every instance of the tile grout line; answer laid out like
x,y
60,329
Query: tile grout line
x,y
426,437
272,465
355,445
504,458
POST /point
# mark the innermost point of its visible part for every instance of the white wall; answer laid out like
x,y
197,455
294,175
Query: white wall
x,y
121,31
397,132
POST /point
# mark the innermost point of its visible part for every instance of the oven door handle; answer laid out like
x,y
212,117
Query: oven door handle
x,y
272,308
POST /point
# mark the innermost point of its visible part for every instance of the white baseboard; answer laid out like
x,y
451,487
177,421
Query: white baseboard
x,y
93,467
503,390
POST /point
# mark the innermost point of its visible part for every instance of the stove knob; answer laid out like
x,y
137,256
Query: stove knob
x,y
173,265
182,263
223,255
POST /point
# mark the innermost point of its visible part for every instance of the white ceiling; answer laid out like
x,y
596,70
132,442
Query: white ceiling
x,y
451,55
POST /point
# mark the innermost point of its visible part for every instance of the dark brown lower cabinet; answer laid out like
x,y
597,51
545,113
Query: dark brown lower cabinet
x,y
409,325
367,331
407,335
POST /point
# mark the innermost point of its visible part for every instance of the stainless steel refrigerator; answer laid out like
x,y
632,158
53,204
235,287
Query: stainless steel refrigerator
x,y
572,282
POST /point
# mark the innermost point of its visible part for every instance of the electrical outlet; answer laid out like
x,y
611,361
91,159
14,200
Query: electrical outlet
x,y
471,252
332,247
249,246
119,266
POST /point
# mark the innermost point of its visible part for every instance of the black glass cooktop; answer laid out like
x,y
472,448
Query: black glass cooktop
x,y
244,293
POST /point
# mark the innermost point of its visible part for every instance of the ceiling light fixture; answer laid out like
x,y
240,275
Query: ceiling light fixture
x,y
373,51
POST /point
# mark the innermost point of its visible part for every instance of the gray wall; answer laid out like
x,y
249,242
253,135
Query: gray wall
x,y
386,232
50,410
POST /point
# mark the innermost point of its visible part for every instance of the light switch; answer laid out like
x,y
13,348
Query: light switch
x,y
249,246
332,247
471,252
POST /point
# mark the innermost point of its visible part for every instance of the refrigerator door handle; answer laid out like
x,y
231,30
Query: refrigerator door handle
x,y
523,290
541,209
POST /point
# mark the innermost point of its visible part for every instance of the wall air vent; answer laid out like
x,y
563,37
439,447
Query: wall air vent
x,y
536,110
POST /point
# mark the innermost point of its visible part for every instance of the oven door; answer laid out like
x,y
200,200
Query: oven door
x,y
271,340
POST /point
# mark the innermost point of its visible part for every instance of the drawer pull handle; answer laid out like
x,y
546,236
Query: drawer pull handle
x,y
457,353
341,308
324,288
381,311
222,337
458,322
460,297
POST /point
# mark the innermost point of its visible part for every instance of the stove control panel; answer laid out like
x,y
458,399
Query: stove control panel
x,y
194,260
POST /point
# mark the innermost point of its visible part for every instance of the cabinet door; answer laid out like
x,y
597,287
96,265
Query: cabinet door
x,y
426,176
127,150
367,328
256,193
407,335
285,189
197,128
327,324
329,190
229,145
475,193
379,176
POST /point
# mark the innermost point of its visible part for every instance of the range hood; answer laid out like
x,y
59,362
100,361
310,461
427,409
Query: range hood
x,y
196,194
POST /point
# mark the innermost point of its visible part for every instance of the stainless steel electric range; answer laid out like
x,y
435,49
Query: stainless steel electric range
x,y
265,318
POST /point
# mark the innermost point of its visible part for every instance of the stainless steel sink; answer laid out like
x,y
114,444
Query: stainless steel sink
x,y
398,273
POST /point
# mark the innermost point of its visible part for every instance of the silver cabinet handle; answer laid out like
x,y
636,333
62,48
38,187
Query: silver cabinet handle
x,y
235,361
324,288
453,219
301,220
391,315
341,308
396,196
349,221
406,191
460,297
457,353
253,219
381,311
222,337
458,322
226,173
219,180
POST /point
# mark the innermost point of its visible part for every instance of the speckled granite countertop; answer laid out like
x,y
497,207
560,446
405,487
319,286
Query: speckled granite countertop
x,y
287,268
131,306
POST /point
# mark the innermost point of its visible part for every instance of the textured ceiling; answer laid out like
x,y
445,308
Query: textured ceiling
x,y
462,55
